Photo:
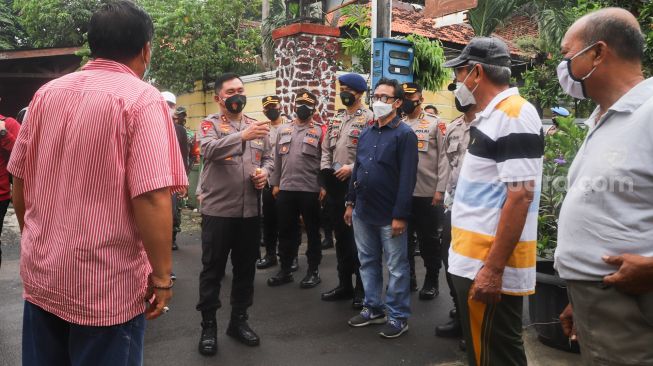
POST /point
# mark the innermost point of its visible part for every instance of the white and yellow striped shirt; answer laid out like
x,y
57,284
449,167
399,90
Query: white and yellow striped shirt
x,y
506,145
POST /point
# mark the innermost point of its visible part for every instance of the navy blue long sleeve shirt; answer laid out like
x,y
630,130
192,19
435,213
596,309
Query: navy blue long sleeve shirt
x,y
384,173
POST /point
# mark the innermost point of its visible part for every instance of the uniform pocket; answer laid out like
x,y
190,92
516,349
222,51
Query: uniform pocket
x,y
423,145
284,144
387,154
256,148
309,146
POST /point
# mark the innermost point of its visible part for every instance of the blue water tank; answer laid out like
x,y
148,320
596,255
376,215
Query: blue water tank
x,y
393,59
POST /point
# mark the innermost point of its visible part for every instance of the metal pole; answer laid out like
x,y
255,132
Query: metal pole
x,y
384,18
265,13
373,19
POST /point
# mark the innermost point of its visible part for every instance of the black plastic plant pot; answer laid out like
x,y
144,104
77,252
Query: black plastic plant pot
x,y
545,306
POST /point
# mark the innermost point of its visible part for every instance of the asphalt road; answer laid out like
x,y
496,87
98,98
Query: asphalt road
x,y
295,326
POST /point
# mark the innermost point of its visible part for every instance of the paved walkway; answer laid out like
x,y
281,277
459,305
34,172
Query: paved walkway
x,y
295,326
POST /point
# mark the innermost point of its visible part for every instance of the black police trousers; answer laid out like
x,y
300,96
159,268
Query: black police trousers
x,y
446,243
291,204
220,237
346,252
424,222
271,224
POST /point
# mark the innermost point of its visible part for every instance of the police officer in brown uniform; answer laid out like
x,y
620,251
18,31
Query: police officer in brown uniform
x,y
338,156
456,141
237,160
272,110
429,189
296,188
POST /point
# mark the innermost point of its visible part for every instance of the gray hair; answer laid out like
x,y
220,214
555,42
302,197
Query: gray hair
x,y
499,75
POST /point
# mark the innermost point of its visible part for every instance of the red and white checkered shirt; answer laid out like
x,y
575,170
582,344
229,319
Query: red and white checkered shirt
x,y
94,139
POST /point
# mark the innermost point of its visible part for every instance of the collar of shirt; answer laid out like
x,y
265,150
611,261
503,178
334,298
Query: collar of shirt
x,y
302,126
496,100
108,65
393,124
628,103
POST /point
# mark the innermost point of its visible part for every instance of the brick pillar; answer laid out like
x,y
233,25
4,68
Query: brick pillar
x,y
305,57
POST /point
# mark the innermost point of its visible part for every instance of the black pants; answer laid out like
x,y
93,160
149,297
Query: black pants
x,y
290,205
346,252
424,223
221,236
271,224
326,219
176,215
3,211
446,243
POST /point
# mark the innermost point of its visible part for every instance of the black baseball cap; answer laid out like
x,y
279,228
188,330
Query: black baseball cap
x,y
486,50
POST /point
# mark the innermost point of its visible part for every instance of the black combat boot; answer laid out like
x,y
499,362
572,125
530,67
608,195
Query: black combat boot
x,y
431,287
208,345
240,330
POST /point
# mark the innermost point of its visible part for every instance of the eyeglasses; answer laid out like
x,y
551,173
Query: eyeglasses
x,y
382,98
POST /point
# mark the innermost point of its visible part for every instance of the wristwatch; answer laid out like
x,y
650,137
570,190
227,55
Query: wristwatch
x,y
350,203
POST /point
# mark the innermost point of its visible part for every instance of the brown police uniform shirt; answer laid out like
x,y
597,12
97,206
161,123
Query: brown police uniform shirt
x,y
229,162
297,157
432,166
455,145
343,132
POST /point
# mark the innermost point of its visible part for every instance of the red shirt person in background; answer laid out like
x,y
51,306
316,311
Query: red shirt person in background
x,y
94,167
9,128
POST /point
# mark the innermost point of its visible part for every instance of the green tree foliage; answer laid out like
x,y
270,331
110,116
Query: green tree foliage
x,y
428,66
199,39
55,23
357,40
559,152
12,34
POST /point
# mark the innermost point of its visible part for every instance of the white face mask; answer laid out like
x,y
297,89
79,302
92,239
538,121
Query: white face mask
x,y
570,84
381,109
463,94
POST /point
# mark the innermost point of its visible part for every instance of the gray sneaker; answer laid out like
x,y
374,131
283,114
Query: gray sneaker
x,y
367,317
394,328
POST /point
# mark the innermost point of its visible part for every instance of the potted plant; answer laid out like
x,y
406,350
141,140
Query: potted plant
x,y
550,296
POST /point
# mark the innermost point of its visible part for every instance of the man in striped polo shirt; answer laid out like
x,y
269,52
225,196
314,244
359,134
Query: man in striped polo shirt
x,y
494,217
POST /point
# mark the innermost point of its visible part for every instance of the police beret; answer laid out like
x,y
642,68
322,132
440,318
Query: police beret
x,y
411,88
306,97
270,100
354,81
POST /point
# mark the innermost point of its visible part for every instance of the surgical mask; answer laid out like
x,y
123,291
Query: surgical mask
x,y
462,109
272,114
381,109
570,84
408,106
463,94
347,98
235,103
304,112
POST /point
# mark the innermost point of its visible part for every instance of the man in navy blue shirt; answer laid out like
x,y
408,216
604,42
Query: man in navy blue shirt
x,y
379,203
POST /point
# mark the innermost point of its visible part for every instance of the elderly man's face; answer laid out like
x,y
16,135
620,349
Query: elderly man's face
x,y
580,54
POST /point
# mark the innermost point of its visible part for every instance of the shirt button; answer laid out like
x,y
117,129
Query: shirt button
x,y
370,158
375,146
366,172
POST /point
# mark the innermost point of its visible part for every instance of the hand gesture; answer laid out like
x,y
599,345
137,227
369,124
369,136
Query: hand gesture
x,y
343,173
487,286
256,131
634,274
158,298
260,179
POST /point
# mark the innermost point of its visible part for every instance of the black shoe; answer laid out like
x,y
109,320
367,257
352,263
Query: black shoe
x,y
311,279
359,295
338,293
295,265
208,345
462,345
267,262
452,329
453,314
174,245
413,284
282,277
240,330
327,243
430,289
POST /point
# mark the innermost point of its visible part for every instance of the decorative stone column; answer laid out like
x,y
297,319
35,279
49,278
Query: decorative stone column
x,y
305,57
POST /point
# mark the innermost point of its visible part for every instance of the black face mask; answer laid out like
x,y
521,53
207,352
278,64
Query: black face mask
x,y
408,106
272,114
235,103
347,98
304,112
463,109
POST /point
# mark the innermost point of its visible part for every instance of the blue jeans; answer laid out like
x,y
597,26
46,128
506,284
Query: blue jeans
x,y
372,241
50,340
